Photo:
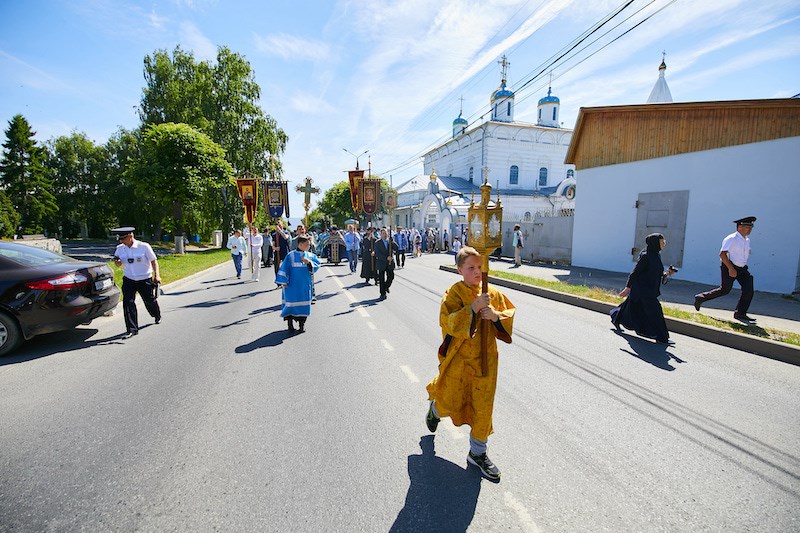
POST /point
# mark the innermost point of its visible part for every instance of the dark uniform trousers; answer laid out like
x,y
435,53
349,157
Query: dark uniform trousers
x,y
146,289
385,277
745,280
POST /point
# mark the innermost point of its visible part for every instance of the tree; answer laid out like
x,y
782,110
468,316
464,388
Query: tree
x,y
79,171
176,166
24,179
9,218
336,205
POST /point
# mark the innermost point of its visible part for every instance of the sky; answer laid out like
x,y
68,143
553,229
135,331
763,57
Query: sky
x,y
388,76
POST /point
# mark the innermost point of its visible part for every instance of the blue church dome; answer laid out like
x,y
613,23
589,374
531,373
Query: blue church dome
x,y
502,92
460,120
549,99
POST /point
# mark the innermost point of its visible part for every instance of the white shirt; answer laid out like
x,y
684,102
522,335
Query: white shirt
x,y
237,245
738,248
136,260
256,241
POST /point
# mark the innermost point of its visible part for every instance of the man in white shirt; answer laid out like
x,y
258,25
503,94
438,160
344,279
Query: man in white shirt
x,y
256,241
139,274
238,247
734,254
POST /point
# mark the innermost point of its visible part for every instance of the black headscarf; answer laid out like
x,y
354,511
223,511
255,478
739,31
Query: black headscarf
x,y
654,253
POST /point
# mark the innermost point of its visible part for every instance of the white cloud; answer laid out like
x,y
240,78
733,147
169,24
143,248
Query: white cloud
x,y
193,39
305,103
291,47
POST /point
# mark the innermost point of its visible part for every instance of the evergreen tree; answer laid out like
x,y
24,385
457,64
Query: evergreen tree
x,y
9,218
24,177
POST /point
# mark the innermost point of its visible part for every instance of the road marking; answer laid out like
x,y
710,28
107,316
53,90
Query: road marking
x,y
525,519
409,374
371,325
387,345
361,310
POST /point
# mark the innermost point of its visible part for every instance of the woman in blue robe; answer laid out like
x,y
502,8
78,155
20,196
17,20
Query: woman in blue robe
x,y
294,276
641,311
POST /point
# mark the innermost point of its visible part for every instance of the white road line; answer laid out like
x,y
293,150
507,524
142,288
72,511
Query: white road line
x,y
409,374
371,325
361,310
387,345
525,519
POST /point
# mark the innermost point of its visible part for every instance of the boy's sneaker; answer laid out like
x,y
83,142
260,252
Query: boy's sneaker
x,y
431,420
486,466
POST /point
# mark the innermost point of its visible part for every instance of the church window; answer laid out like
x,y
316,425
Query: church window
x,y
513,176
540,114
509,109
555,110
526,217
570,173
471,173
543,177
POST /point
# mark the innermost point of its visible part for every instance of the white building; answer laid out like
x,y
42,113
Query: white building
x,y
524,161
687,170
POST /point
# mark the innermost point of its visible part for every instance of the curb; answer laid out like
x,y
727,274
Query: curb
x,y
779,351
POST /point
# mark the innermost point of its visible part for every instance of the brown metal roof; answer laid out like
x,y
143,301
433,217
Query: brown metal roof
x,y
621,134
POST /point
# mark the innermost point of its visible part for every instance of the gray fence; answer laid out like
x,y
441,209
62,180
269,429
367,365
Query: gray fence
x,y
546,239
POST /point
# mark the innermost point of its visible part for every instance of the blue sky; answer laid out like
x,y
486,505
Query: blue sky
x,y
387,75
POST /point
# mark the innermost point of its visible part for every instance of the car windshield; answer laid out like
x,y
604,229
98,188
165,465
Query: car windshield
x,y
30,256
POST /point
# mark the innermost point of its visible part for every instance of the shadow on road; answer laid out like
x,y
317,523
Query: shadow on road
x,y
442,496
649,352
270,339
61,342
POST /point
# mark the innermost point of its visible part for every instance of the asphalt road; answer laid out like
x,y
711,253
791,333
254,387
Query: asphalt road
x,y
216,419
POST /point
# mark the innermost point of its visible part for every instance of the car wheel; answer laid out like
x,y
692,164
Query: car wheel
x,y
10,336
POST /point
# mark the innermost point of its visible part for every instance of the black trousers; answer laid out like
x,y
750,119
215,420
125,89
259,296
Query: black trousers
x,y
745,280
400,258
147,290
385,278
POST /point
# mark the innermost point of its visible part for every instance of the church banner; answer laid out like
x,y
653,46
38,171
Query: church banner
x,y
355,188
370,195
248,192
275,198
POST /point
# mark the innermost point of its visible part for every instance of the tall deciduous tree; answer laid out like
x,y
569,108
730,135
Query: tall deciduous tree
x,y
177,166
80,184
24,178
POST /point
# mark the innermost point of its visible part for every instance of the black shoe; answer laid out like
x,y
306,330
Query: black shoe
x,y
617,326
743,317
486,466
291,324
158,320
431,420
667,342
129,334
387,290
302,324
697,303
383,296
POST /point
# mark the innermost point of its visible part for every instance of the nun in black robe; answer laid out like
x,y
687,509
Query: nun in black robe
x,y
368,270
641,310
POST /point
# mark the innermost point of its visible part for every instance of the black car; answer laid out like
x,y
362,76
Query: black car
x,y
42,292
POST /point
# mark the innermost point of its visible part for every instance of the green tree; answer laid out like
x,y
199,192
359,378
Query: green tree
x,y
176,166
79,170
9,218
24,178
336,205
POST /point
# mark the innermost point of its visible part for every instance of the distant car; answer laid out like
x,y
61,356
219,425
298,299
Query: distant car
x,y
42,292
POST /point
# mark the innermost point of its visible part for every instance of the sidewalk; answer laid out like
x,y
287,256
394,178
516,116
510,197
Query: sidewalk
x,y
772,310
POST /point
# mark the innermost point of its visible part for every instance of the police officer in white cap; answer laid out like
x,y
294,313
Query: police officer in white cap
x,y
734,254
140,274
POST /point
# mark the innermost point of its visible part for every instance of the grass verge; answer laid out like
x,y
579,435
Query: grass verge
x,y
175,267
611,297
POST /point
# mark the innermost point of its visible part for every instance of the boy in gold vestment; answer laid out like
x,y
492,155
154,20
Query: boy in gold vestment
x,y
460,391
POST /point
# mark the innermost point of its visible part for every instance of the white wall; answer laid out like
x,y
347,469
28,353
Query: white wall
x,y
758,179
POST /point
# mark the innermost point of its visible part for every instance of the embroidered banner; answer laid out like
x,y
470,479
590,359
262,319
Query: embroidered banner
x,y
370,195
355,189
275,198
248,192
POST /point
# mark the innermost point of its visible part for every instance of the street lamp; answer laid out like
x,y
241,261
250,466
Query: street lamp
x,y
354,155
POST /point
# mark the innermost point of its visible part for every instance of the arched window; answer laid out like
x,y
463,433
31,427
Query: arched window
x,y
540,114
509,109
570,173
471,173
555,110
513,176
542,177
526,217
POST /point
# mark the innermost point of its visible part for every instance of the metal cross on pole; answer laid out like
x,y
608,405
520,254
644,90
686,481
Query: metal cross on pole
x,y
307,191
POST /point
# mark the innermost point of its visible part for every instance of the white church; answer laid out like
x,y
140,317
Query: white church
x,y
523,162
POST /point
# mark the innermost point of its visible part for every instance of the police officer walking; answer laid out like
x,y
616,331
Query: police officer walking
x,y
139,274
734,254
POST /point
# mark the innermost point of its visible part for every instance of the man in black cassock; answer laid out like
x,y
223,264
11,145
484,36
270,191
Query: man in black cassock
x,y
368,270
384,261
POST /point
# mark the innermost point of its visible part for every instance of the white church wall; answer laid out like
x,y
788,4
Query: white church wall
x,y
758,179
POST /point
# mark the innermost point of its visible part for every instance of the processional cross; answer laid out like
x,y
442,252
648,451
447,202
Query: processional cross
x,y
307,191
